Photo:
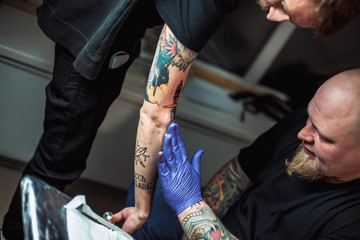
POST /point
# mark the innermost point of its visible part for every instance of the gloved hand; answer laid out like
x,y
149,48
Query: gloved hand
x,y
179,178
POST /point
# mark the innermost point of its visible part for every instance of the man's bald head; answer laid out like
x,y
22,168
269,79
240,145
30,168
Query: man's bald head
x,y
331,137
339,97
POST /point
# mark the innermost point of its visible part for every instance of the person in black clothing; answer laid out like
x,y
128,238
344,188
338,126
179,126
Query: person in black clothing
x,y
288,184
96,42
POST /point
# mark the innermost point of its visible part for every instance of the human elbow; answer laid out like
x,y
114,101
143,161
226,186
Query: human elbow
x,y
155,117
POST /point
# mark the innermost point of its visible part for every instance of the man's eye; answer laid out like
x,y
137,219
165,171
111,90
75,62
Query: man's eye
x,y
326,139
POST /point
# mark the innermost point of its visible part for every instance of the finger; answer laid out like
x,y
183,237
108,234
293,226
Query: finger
x,y
171,129
177,153
120,216
168,155
159,157
166,146
180,142
130,227
161,165
196,160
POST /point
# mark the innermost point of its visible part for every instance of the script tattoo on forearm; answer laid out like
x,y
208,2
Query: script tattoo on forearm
x,y
203,224
140,155
140,182
225,188
170,55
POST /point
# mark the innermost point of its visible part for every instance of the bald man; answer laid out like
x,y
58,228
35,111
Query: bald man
x,y
331,136
288,184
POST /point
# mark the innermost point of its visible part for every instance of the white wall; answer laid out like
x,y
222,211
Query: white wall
x,y
25,69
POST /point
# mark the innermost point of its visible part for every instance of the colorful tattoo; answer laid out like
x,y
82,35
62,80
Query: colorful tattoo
x,y
225,188
157,84
187,217
174,50
170,56
214,194
175,101
203,224
140,156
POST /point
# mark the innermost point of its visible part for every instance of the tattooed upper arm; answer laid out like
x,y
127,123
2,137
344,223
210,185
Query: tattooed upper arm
x,y
226,187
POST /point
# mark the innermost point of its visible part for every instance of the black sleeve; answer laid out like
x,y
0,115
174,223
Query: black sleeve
x,y
349,232
255,157
193,22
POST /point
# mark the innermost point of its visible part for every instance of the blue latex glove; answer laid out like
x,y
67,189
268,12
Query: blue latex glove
x,y
179,178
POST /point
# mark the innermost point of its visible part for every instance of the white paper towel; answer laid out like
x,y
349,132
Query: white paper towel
x,y
83,223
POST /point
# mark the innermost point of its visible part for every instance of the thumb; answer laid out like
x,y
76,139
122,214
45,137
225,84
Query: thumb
x,y
196,160
120,216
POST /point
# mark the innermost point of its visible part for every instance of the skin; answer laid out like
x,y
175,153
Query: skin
x,y
172,62
167,78
331,134
331,140
168,74
301,13
221,192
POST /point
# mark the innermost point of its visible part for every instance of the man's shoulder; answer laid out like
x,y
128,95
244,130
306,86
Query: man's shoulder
x,y
296,117
350,231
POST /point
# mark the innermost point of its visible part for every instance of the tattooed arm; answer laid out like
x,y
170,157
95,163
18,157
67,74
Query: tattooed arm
x,y
226,187
222,191
169,70
200,222
181,184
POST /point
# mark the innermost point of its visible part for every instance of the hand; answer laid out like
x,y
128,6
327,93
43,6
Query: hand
x,y
133,221
180,180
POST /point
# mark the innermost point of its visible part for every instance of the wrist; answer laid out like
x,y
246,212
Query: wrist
x,y
143,204
142,214
191,205
193,209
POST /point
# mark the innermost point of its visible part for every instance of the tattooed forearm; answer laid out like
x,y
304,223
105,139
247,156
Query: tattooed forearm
x,y
203,224
140,155
176,53
140,182
195,205
171,58
175,101
190,215
225,188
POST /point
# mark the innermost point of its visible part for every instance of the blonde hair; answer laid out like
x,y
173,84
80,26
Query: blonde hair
x,y
300,166
332,15
335,14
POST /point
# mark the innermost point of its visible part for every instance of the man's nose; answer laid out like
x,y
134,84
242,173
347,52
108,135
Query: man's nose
x,y
277,15
305,134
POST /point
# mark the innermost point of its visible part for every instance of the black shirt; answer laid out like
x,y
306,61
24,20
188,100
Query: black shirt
x,y
88,28
194,21
282,207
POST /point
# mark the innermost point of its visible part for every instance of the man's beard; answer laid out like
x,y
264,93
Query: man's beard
x,y
307,169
